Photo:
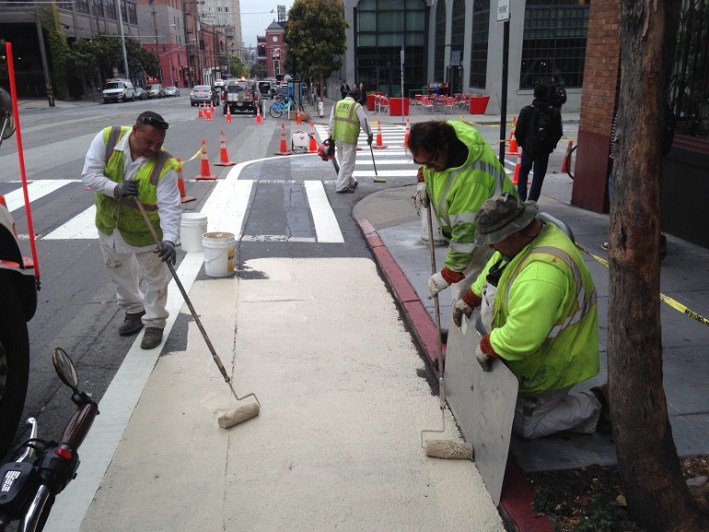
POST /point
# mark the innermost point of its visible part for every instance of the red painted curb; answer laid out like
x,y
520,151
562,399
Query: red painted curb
x,y
517,497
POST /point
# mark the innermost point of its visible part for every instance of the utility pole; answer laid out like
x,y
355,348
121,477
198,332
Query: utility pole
x,y
503,15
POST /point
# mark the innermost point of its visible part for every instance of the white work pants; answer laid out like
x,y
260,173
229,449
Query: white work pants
x,y
347,153
131,266
551,412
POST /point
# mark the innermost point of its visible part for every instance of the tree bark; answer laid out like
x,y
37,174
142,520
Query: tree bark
x,y
656,492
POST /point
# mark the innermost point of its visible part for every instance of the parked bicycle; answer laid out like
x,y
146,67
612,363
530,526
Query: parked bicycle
x,y
43,468
280,106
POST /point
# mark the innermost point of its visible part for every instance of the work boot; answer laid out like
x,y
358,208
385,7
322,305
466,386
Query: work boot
x,y
131,324
151,338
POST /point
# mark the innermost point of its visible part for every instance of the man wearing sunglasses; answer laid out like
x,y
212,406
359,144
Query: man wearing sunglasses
x,y
459,171
125,164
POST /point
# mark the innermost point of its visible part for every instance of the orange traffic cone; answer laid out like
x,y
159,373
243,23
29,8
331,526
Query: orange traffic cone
x,y
313,145
259,118
228,115
513,147
406,134
379,145
223,155
206,172
515,178
567,158
184,198
284,144
298,119
208,113
200,114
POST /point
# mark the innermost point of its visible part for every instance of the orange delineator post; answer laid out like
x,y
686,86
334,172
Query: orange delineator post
x,y
515,178
184,198
223,155
406,134
228,115
567,160
200,113
259,118
284,145
298,119
379,145
206,172
312,145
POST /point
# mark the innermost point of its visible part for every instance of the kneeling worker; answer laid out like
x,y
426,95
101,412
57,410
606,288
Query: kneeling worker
x,y
538,315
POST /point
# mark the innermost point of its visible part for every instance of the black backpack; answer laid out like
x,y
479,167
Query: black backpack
x,y
540,135
557,95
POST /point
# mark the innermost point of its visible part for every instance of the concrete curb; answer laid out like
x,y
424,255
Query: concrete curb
x,y
517,497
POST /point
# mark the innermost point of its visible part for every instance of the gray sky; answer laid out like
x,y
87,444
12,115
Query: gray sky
x,y
256,17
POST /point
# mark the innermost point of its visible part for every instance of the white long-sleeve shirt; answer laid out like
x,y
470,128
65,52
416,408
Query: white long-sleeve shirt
x,y
168,194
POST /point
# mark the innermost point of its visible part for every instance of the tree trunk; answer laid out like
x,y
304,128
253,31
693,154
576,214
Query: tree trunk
x,y
657,494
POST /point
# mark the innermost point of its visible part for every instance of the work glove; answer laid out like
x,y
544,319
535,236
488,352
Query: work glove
x,y
167,252
484,360
442,280
126,188
465,305
370,138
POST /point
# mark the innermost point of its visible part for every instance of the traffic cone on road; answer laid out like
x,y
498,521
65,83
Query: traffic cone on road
x,y
259,118
406,134
379,145
200,114
513,147
184,198
228,115
284,144
205,171
518,166
208,113
313,145
567,158
298,119
223,155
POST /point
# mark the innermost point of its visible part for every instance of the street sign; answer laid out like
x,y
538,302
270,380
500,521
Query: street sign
x,y
503,10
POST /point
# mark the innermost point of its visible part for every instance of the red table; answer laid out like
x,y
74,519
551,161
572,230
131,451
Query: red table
x,y
478,104
398,106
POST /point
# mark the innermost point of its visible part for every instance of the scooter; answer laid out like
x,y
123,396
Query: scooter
x,y
43,468
18,286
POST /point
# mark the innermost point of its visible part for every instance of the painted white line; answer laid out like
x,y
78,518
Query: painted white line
x,y
231,202
326,226
35,190
80,227
385,162
276,238
387,173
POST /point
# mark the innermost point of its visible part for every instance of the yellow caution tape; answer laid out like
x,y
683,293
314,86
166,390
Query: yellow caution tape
x,y
664,298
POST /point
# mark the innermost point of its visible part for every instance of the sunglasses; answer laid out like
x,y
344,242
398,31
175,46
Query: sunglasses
x,y
154,122
432,160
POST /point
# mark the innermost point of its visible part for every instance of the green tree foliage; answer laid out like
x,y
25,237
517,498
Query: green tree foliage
x,y
59,50
104,53
315,34
258,71
237,68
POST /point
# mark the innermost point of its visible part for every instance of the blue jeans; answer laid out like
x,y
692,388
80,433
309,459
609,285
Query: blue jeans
x,y
539,161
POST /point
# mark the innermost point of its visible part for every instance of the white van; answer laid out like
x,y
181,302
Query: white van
x,y
118,90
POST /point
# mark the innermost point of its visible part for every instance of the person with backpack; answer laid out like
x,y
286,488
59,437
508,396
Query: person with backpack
x,y
557,92
538,131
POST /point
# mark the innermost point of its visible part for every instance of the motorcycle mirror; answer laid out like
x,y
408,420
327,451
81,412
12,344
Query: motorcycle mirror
x,y
65,368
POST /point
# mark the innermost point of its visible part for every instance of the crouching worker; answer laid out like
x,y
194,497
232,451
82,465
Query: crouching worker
x,y
537,315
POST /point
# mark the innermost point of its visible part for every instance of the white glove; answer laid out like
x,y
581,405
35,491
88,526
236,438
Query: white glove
x,y
436,283
484,360
460,308
422,195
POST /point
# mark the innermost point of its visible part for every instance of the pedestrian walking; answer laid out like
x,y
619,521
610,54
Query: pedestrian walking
x,y
459,172
346,119
123,165
344,89
538,131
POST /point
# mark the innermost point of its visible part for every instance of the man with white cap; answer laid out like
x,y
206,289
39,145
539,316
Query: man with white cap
x,y
538,315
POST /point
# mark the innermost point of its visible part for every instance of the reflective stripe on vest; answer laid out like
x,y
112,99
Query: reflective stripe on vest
x,y
584,303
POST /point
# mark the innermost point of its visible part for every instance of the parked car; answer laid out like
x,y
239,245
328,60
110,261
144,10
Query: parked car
x,y
156,90
200,94
241,97
172,91
118,90
140,93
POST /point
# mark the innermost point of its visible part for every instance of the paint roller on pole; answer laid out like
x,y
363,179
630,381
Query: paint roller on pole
x,y
243,413
376,179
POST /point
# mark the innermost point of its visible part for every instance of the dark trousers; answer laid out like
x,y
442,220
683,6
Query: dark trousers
x,y
539,161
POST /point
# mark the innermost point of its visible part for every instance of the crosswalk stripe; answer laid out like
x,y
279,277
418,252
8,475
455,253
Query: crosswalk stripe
x,y
387,173
35,190
326,227
80,227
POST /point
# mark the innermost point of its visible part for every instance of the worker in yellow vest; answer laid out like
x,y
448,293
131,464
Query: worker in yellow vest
x,y
124,164
346,119
538,315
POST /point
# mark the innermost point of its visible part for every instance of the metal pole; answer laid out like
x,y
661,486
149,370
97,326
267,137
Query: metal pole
x,y
403,96
43,57
503,103
123,39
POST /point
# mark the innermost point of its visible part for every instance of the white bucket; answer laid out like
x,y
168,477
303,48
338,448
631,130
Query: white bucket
x,y
192,226
218,254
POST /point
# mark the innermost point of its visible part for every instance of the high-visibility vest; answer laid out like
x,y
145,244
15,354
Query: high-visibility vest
x,y
346,122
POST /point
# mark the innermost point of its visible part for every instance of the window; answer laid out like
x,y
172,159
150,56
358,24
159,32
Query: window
x,y
689,84
478,49
554,42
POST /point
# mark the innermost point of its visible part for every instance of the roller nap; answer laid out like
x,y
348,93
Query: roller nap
x,y
240,415
449,449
